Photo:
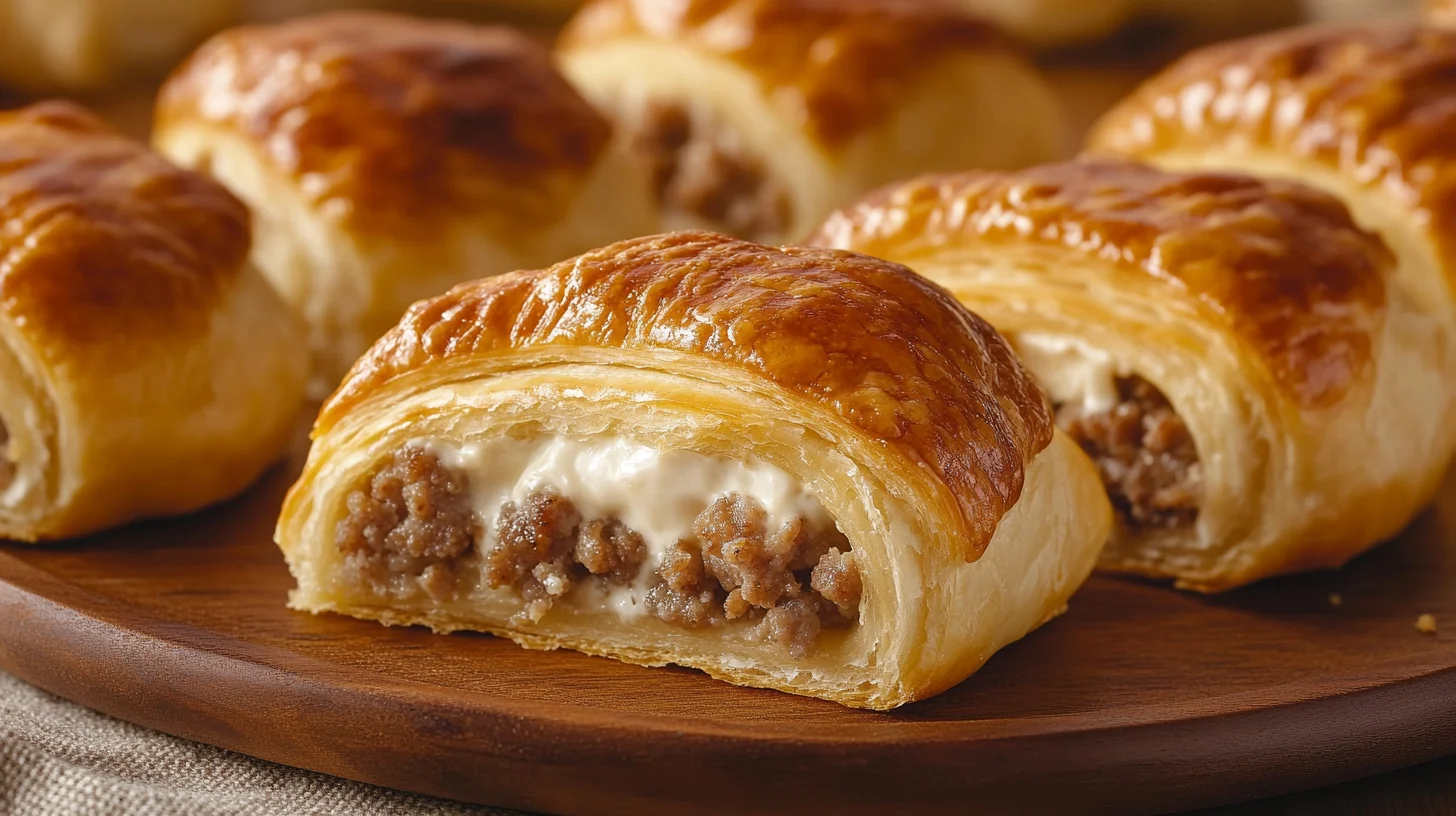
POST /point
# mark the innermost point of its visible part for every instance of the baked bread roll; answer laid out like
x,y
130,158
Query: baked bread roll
x,y
761,116
1233,353
1365,112
789,468
146,369
77,45
388,158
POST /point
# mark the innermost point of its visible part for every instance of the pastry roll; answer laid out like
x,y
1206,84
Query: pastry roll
x,y
758,117
1366,112
387,158
146,369
791,468
1046,24
76,45
1233,353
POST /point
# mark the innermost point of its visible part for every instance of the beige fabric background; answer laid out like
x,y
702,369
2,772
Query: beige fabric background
x,y
59,759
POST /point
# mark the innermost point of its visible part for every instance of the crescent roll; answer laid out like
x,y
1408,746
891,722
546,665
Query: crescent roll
x,y
1233,353
387,158
790,468
1366,112
78,45
758,117
146,369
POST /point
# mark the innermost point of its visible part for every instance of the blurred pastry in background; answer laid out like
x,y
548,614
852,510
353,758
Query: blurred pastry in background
x,y
1441,12
79,45
146,368
387,158
761,116
1047,24
1232,352
1366,112
1333,11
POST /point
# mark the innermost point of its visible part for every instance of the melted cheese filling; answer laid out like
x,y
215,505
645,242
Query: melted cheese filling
x,y
1069,370
656,493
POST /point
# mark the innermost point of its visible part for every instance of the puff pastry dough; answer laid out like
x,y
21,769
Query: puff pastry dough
x,y
1256,389
1365,112
761,116
388,158
918,448
73,45
146,368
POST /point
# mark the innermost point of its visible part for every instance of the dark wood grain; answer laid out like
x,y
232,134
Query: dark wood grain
x,y
1140,699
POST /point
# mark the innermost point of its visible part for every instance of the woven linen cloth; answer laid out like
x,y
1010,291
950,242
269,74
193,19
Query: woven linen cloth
x,y
60,759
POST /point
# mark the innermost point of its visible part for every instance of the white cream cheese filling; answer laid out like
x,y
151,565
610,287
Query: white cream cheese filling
x,y
656,493
1069,370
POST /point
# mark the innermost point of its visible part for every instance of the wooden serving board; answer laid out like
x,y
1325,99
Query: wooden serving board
x,y
1140,699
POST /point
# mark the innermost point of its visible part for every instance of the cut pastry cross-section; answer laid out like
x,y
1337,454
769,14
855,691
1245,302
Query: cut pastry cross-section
x,y
689,449
1259,394
759,116
146,368
388,158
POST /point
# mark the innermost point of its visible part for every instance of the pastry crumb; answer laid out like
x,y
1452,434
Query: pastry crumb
x,y
1426,624
1335,599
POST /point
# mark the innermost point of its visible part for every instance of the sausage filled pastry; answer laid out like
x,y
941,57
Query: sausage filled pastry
x,y
1233,353
388,158
146,368
1366,112
791,468
758,117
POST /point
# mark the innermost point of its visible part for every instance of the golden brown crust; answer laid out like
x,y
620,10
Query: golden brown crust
x,y
102,238
382,116
1373,101
895,356
1282,263
844,62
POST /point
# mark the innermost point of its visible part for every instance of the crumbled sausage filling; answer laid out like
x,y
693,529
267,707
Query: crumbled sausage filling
x,y
1145,453
697,171
411,527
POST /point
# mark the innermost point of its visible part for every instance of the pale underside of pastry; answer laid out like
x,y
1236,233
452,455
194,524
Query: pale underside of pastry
x,y
1365,112
146,368
74,45
685,449
387,158
1259,395
761,116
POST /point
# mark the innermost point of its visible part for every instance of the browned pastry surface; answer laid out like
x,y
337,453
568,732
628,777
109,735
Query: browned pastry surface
x,y
100,238
1282,263
1376,101
844,61
391,117
893,355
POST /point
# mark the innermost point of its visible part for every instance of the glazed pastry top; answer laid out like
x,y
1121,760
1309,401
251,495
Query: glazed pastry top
x,y
1283,264
1374,101
102,239
842,63
892,355
391,120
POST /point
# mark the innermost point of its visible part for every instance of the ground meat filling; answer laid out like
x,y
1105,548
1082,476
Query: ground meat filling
x,y
1145,453
544,549
409,527
734,567
696,172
